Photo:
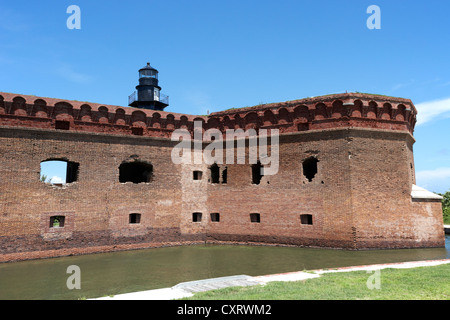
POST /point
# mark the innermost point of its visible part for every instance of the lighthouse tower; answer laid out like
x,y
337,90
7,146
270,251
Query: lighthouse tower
x,y
148,94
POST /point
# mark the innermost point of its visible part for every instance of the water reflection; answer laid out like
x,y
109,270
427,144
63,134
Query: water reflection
x,y
121,272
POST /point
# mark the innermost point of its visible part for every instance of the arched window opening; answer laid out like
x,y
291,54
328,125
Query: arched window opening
x,y
310,168
59,172
257,173
224,175
136,172
215,173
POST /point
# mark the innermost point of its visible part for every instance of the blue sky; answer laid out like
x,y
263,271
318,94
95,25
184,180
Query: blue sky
x,y
214,54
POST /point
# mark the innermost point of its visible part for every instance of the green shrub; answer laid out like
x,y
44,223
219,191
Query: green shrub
x,y
446,212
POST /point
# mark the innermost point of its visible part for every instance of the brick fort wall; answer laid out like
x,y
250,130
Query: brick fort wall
x,y
359,197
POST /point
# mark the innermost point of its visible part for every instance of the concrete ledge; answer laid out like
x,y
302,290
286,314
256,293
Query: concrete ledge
x,y
216,283
186,289
447,228
419,193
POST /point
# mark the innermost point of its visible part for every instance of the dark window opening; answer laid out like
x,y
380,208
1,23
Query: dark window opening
x,y
59,172
196,217
306,219
224,175
198,175
215,173
72,171
137,131
310,168
257,173
255,217
57,221
215,217
134,218
136,172
303,127
62,125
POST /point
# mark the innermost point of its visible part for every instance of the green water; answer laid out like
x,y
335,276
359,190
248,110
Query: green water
x,y
121,272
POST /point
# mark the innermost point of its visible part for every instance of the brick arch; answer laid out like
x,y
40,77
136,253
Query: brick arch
x,y
227,123
85,113
119,117
251,120
269,118
400,114
63,111
213,123
183,124
357,109
156,120
337,109
238,122
170,122
320,111
40,109
301,113
386,111
103,114
139,119
19,106
283,116
372,110
203,124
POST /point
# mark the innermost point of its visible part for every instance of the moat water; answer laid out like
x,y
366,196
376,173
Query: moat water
x,y
121,272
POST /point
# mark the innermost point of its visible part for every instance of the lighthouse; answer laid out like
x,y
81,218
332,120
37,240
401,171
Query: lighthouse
x,y
148,93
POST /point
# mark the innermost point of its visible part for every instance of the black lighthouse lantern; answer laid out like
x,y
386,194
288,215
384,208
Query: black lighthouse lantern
x,y
148,94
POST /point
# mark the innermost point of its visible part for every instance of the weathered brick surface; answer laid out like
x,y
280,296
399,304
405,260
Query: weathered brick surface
x,y
360,197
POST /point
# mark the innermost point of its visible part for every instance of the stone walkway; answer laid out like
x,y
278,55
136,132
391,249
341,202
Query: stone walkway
x,y
187,289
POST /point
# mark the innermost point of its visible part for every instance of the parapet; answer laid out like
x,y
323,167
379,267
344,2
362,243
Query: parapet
x,y
317,113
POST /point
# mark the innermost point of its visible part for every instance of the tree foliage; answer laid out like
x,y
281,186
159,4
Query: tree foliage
x,y
446,207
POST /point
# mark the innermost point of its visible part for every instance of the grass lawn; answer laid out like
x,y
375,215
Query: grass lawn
x,y
422,283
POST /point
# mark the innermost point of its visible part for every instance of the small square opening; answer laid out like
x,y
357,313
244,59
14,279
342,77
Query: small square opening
x,y
62,125
306,219
215,217
255,217
135,218
197,217
137,131
197,175
57,221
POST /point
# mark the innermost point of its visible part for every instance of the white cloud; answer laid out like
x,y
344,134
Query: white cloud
x,y
430,110
56,180
437,180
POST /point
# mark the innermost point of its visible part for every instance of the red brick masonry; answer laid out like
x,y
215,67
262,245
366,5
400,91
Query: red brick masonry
x,y
360,197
